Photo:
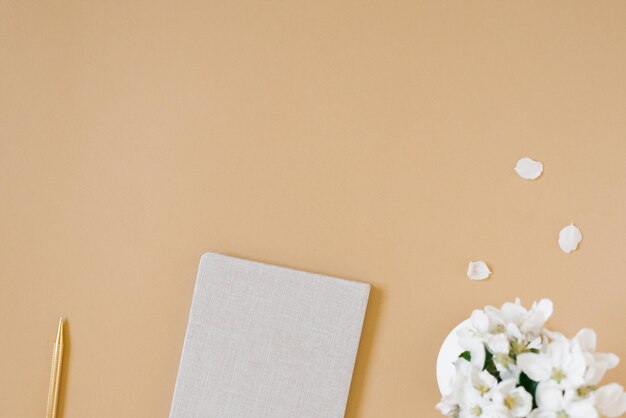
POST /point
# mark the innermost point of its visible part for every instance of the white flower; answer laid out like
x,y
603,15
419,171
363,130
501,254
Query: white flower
x,y
610,400
531,321
484,324
598,363
553,402
563,363
500,347
498,344
515,340
518,322
471,393
473,404
512,320
476,349
472,339
448,409
449,404
483,382
511,400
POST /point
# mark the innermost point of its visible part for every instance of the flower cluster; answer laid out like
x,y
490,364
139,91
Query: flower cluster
x,y
514,366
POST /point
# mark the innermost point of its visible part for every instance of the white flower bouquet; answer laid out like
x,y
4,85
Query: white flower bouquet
x,y
514,366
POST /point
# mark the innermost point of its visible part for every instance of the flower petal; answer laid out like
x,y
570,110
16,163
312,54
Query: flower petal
x,y
523,402
541,413
582,409
528,168
536,366
569,238
610,359
498,344
545,306
595,372
611,400
447,408
587,339
480,321
513,331
478,270
549,396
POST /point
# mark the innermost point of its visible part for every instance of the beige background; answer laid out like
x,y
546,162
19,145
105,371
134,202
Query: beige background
x,y
369,140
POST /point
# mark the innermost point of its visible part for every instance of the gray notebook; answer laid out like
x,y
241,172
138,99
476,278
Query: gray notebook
x,y
267,341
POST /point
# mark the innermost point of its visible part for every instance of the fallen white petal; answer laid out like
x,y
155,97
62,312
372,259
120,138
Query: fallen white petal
x,y
569,238
528,168
478,270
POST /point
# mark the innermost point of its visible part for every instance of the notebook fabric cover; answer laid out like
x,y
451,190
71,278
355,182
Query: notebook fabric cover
x,y
267,341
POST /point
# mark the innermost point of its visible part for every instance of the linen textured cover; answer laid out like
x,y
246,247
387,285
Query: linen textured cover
x,y
267,341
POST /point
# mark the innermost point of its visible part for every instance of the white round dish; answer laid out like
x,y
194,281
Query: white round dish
x,y
449,352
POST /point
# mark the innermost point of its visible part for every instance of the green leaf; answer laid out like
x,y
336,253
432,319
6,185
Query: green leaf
x,y
530,386
490,365
466,355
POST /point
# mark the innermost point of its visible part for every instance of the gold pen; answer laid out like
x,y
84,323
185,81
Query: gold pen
x,y
55,373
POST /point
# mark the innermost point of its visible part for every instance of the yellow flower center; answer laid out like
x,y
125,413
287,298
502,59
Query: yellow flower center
x,y
509,402
558,375
519,347
584,391
504,360
482,389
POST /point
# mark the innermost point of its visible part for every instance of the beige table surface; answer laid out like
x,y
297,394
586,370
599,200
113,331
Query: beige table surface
x,y
372,140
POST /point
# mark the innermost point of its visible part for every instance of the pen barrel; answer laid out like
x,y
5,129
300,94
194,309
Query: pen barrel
x,y
53,392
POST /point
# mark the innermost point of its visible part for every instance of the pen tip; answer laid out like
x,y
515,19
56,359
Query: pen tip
x,y
59,339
